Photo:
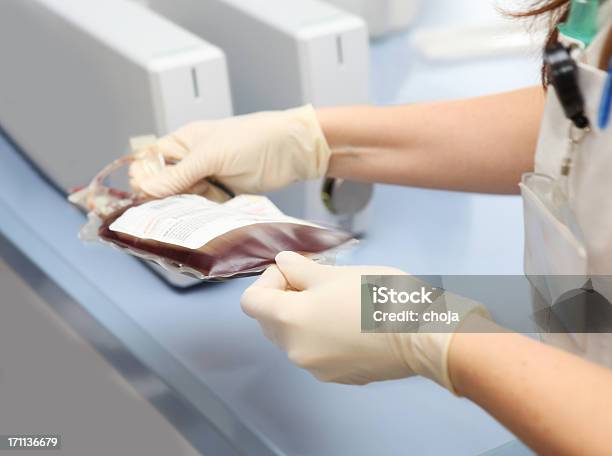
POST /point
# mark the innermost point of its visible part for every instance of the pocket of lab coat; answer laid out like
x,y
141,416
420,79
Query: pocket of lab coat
x,y
555,257
552,243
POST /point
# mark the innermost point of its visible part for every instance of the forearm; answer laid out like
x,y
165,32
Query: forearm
x,y
555,402
482,144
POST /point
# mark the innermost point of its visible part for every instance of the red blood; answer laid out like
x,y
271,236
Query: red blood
x,y
241,252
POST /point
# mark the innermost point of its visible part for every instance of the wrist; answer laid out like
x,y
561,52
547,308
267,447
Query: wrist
x,y
431,346
476,331
304,135
347,131
327,123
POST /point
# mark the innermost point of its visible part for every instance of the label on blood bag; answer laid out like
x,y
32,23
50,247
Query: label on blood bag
x,y
192,221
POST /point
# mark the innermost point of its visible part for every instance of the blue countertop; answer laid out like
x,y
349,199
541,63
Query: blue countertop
x,y
204,348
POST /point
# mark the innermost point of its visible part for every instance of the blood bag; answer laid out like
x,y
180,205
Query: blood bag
x,y
193,235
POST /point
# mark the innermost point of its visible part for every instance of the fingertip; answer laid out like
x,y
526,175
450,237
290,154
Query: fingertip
x,y
288,256
153,186
299,271
169,181
258,302
172,148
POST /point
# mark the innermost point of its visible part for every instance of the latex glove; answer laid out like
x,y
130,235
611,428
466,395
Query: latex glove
x,y
313,312
249,154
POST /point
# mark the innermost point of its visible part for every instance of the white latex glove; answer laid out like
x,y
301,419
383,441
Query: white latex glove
x,y
313,313
249,154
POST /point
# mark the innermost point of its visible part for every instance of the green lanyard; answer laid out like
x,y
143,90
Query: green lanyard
x,y
582,23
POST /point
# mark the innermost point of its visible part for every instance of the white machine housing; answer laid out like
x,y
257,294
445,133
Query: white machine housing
x,y
382,16
80,77
283,54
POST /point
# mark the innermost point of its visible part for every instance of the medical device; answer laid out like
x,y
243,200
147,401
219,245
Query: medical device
x,y
213,241
80,77
382,16
283,54
193,237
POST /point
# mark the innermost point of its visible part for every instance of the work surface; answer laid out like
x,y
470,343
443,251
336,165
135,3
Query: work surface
x,y
209,353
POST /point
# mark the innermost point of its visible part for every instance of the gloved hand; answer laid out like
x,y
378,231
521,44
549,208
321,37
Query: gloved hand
x,y
313,312
248,154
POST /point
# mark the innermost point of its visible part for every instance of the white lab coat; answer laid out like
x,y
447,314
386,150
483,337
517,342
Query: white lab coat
x,y
568,221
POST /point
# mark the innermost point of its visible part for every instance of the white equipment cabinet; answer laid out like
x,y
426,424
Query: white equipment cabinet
x,y
80,77
282,54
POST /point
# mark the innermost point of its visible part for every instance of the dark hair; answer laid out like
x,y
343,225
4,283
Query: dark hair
x,y
557,12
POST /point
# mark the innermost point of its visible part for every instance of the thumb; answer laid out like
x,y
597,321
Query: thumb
x,y
301,273
177,178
